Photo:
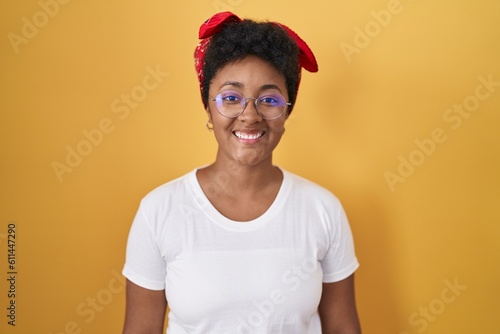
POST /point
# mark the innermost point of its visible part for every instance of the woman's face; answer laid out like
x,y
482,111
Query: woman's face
x,y
247,139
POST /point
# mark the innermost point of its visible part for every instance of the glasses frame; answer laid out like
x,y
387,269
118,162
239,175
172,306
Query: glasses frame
x,y
255,99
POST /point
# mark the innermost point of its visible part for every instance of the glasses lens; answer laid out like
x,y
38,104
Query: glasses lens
x,y
229,103
271,105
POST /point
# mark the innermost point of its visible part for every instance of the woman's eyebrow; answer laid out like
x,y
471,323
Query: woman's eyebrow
x,y
240,85
270,86
232,83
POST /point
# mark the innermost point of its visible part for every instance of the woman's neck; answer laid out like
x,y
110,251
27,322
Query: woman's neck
x,y
240,192
233,177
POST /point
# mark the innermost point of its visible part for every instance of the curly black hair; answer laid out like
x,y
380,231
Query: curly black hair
x,y
266,40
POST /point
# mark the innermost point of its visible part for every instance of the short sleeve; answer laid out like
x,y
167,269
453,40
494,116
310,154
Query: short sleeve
x,y
340,260
144,264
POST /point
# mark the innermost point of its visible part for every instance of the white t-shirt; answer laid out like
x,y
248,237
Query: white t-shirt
x,y
222,276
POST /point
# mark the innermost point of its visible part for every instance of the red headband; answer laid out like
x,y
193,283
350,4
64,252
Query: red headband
x,y
215,24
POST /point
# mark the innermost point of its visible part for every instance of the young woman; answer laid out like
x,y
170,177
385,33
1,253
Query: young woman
x,y
241,245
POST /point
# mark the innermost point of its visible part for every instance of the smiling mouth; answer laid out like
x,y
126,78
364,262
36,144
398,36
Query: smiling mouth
x,y
248,136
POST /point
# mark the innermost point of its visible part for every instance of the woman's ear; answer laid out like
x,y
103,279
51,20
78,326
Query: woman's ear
x,y
209,124
209,113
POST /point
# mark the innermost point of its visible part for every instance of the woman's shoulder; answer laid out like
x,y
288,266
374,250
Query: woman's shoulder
x,y
174,188
310,190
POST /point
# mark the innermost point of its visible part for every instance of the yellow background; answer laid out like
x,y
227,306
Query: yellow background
x,y
354,121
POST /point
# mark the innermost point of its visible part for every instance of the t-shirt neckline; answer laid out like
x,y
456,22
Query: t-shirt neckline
x,y
204,204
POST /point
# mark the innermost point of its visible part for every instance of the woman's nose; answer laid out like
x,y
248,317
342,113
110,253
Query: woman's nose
x,y
250,113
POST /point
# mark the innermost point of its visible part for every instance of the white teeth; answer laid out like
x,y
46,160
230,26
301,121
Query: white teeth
x,y
243,135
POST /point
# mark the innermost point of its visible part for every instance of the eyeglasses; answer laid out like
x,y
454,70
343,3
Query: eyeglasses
x,y
269,106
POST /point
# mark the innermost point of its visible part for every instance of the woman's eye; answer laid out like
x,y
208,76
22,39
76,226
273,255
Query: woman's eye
x,y
269,100
231,98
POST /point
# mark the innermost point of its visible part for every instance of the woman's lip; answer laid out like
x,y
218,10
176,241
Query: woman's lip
x,y
249,135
